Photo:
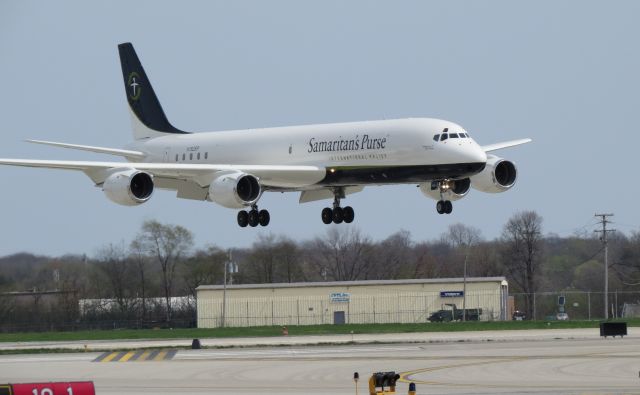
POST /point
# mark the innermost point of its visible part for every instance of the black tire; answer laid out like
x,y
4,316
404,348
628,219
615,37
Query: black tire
x,y
243,219
338,215
440,207
327,215
253,218
348,214
448,207
264,218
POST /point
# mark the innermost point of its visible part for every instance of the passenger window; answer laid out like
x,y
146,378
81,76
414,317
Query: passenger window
x,y
444,137
436,137
176,157
453,135
191,156
206,155
183,156
198,155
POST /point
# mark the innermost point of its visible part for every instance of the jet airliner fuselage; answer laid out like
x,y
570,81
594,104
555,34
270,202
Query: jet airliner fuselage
x,y
324,161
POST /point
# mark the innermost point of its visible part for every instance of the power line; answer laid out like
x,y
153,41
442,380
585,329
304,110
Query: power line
x,y
604,222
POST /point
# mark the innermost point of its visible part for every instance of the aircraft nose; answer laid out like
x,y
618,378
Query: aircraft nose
x,y
477,154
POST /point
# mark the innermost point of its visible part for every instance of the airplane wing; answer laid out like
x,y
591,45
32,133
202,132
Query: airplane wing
x,y
101,150
274,176
506,144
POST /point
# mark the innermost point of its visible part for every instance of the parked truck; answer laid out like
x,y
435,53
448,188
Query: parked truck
x,y
450,312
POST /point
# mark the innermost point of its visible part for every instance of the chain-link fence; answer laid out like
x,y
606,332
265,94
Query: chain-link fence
x,y
578,305
61,314
382,308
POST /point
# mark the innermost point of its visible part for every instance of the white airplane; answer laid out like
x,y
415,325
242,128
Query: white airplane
x,y
324,161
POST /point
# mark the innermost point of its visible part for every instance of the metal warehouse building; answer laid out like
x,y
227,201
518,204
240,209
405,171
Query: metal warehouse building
x,y
354,302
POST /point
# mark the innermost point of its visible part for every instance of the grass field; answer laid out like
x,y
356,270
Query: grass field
x,y
269,331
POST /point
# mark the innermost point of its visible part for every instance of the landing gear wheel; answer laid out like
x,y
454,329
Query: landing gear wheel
x,y
348,214
263,217
253,218
440,207
338,215
327,215
243,219
448,207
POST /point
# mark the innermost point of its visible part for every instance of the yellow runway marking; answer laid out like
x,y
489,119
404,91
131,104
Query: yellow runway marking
x,y
110,357
160,355
144,355
127,356
137,355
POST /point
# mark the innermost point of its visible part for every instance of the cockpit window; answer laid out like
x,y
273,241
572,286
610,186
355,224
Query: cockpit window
x,y
453,135
444,137
436,137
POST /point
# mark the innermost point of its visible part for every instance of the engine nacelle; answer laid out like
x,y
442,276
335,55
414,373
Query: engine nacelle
x,y
235,190
499,175
457,189
128,187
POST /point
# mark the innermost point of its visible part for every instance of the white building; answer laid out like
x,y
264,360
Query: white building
x,y
361,302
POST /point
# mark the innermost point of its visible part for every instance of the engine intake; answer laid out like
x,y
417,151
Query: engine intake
x,y
235,190
499,175
129,187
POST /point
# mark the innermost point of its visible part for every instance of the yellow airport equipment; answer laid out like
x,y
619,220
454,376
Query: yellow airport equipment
x,y
381,380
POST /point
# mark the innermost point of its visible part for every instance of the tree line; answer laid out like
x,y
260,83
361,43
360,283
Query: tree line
x,y
161,263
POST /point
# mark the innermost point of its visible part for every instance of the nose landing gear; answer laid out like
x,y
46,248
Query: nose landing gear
x,y
444,206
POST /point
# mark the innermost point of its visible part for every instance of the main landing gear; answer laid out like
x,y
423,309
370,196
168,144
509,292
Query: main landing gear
x,y
253,217
338,214
444,206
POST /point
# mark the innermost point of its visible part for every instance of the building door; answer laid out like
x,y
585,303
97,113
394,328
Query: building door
x,y
338,318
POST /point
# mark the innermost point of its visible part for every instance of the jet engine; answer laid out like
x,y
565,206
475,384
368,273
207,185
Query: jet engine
x,y
499,175
235,190
455,189
128,187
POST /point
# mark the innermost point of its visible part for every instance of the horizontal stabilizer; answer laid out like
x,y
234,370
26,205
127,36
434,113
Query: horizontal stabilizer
x,y
101,150
506,144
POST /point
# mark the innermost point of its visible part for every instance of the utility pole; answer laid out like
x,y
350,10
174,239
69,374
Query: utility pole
x,y
224,291
464,287
604,240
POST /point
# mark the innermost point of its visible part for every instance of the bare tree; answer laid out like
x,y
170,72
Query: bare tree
x,y
462,236
140,261
168,244
463,240
274,259
344,253
113,262
394,257
204,267
522,252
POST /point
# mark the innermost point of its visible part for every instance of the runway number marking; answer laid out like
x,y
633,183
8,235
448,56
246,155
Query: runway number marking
x,y
48,391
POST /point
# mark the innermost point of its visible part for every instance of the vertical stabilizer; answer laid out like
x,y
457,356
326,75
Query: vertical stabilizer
x,y
148,118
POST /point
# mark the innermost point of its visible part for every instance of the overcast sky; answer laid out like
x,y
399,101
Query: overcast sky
x,y
563,73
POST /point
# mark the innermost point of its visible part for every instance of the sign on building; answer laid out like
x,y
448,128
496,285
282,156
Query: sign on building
x,y
340,297
451,294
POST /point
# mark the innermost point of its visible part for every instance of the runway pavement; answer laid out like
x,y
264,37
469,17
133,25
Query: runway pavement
x,y
420,337
571,365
